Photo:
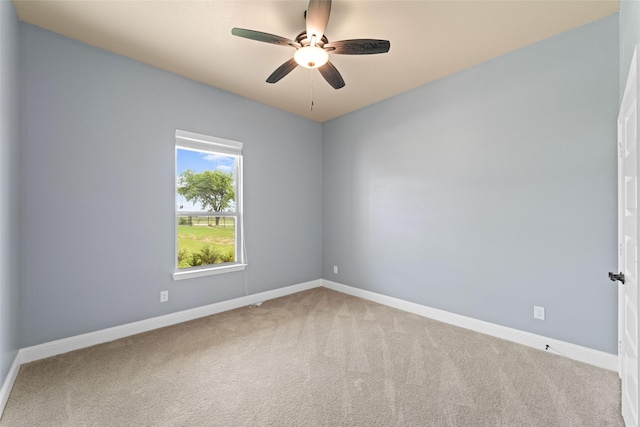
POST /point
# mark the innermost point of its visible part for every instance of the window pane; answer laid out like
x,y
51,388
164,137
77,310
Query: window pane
x,y
208,204
205,240
206,181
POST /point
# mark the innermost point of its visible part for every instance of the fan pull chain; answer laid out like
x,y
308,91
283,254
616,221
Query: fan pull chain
x,y
311,89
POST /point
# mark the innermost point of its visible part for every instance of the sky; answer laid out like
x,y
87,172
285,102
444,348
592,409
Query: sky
x,y
200,162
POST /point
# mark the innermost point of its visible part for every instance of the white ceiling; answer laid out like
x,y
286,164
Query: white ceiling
x,y
429,40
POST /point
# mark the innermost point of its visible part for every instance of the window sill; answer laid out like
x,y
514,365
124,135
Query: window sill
x,y
181,275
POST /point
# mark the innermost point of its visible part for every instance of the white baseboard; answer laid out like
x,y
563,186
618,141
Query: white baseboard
x,y
65,345
571,351
5,391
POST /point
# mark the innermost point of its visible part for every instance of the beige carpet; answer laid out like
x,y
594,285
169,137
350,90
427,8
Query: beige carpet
x,y
316,358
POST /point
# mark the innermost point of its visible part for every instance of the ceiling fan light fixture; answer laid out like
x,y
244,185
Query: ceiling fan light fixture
x,y
313,47
311,56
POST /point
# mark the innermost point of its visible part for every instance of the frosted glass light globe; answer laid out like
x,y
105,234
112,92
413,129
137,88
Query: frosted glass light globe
x,y
311,56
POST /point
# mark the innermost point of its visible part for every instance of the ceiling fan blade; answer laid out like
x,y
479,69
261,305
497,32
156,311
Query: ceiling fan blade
x,y
282,71
358,47
331,75
317,17
263,37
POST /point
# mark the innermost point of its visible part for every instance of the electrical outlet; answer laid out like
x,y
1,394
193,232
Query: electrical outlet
x,y
335,269
538,312
164,296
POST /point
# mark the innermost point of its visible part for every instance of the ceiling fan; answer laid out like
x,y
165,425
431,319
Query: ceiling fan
x,y
313,47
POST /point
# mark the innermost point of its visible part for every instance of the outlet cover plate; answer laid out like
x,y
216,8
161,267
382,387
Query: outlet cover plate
x,y
538,312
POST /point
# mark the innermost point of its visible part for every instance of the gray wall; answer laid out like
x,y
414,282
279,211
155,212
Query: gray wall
x,y
98,189
629,37
9,204
488,192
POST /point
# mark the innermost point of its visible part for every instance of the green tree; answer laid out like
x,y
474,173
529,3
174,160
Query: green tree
x,y
214,190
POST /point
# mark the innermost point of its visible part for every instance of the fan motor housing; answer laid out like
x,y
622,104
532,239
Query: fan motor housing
x,y
303,40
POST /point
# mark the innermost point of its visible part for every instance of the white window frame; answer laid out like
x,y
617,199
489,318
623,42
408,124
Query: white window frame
x,y
210,144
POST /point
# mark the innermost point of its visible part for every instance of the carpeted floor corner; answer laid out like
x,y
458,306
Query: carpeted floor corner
x,y
315,358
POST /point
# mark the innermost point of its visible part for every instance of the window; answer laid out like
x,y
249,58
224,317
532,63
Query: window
x,y
208,205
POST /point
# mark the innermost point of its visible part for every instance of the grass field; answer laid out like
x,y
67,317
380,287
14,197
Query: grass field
x,y
204,232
